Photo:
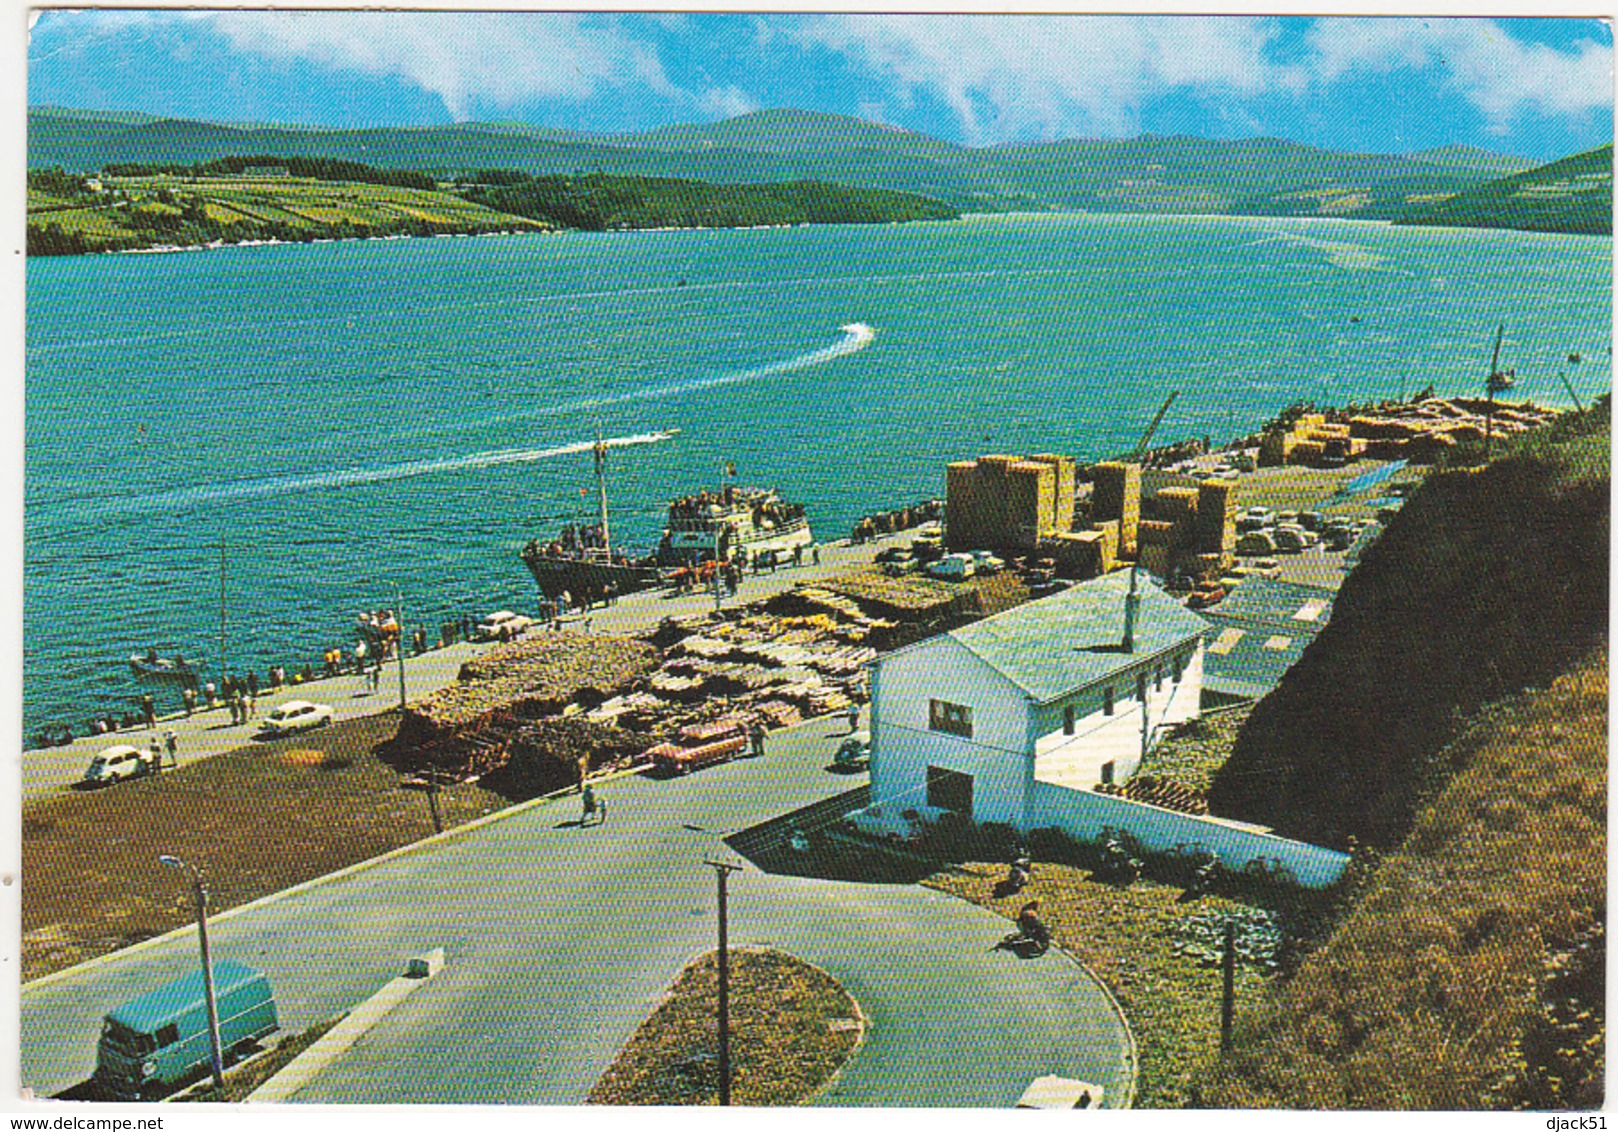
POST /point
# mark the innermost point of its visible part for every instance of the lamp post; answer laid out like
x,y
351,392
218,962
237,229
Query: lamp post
x,y
722,872
199,894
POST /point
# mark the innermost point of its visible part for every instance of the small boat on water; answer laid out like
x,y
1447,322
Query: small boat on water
x,y
150,666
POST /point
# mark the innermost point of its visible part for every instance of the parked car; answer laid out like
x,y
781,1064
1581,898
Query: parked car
x,y
702,744
1255,542
899,567
152,1043
296,715
116,764
986,562
1311,520
953,567
502,625
855,750
1263,516
1337,538
1206,594
1289,540
894,554
1061,1092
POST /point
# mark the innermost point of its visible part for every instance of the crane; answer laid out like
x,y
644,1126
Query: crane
x,y
1146,437
1499,381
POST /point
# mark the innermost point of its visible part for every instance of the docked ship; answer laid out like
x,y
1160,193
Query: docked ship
x,y
746,525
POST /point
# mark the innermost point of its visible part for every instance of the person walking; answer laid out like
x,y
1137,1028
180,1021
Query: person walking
x,y
189,695
252,685
590,806
756,734
853,717
157,756
172,742
148,708
816,550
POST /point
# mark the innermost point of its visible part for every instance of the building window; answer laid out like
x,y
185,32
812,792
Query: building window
x,y
1108,769
1107,706
1067,720
952,719
1157,678
949,790
1179,667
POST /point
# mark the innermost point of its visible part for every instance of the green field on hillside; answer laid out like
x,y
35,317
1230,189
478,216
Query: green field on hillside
x,y
116,213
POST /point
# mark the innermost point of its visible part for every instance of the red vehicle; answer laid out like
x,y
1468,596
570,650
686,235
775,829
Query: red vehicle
x,y
702,744
1206,594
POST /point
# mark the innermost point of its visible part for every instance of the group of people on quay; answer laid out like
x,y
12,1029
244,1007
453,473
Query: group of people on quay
x,y
238,694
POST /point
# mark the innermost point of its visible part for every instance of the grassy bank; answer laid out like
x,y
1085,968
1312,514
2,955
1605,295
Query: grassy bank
x,y
792,1026
170,210
1489,580
1471,975
280,813
1147,944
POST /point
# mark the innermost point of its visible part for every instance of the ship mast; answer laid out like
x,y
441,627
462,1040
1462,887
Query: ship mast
x,y
601,490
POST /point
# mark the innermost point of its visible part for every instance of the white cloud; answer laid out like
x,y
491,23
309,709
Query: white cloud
x,y
1478,59
1020,76
1053,75
468,59
727,102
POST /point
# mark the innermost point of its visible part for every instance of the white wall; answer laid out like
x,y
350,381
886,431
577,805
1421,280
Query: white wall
x,y
903,743
1083,814
1099,738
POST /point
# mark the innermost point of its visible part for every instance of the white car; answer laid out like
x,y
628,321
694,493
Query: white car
x,y
118,763
296,715
954,567
502,624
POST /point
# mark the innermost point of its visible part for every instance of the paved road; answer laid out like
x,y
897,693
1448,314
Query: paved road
x,y
211,733
560,940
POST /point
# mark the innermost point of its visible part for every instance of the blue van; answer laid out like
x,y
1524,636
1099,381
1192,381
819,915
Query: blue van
x,y
150,1044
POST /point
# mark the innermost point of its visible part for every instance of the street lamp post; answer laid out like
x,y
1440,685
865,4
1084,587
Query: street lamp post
x,y
199,894
722,872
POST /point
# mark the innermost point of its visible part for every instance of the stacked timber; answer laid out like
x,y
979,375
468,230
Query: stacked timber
x,y
529,679
1116,497
1154,790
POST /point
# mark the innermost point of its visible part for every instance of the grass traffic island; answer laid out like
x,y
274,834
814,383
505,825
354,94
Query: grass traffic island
x,y
258,820
791,1028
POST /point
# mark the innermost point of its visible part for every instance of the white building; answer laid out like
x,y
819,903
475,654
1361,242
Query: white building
x,y
1068,691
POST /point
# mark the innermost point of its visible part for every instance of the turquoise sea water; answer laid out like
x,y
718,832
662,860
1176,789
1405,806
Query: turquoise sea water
x,y
356,418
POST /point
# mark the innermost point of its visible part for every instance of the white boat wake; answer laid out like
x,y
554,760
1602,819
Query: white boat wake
x,y
856,336
204,495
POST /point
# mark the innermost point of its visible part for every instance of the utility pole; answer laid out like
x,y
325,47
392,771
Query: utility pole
x,y
199,896
1227,1009
400,646
722,871
221,615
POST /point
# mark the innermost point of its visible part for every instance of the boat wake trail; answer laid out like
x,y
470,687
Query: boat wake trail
x,y
856,336
204,495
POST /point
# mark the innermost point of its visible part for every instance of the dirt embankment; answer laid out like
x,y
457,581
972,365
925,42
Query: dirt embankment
x,y
1487,582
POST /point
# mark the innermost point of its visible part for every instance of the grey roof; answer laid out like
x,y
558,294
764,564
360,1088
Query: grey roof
x,y
1072,640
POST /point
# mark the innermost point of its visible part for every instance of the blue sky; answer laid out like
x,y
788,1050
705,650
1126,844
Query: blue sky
x,y
1540,88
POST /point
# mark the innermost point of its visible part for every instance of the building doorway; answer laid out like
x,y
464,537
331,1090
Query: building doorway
x,y
949,790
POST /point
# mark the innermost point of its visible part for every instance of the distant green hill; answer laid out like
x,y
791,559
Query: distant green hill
x,y
598,203
1571,195
1147,174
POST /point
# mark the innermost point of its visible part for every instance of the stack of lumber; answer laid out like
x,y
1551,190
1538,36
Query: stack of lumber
x,y
529,678
1158,791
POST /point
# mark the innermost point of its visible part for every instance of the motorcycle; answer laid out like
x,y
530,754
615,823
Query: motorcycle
x,y
1018,874
1032,936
